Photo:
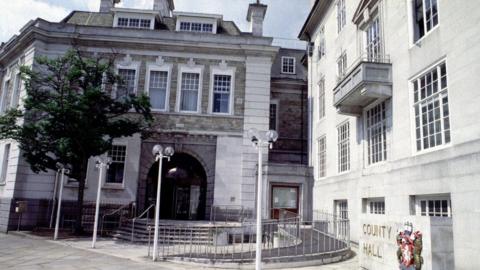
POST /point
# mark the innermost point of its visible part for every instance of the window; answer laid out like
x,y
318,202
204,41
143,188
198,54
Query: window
x,y
288,65
376,126
343,147
341,209
321,98
273,116
116,169
376,206
158,89
425,17
4,102
432,121
145,23
189,92
196,27
341,15
6,156
434,206
134,23
127,86
321,45
122,22
16,91
221,93
374,43
322,157
342,65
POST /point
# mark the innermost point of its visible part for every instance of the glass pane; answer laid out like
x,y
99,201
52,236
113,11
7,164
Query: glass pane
x,y
284,197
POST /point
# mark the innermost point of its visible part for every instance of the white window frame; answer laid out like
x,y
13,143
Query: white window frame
x,y
288,58
5,87
412,20
5,160
321,99
322,47
322,156
155,66
440,93
341,15
427,198
348,148
189,69
386,154
17,88
342,65
222,70
127,64
138,17
341,207
201,20
107,185
378,54
377,203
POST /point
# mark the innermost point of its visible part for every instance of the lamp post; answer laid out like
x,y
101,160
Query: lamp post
x,y
101,164
260,140
160,153
63,171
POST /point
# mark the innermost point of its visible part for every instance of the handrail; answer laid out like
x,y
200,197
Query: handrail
x,y
364,57
123,207
140,216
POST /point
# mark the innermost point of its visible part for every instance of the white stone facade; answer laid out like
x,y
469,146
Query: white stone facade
x,y
407,175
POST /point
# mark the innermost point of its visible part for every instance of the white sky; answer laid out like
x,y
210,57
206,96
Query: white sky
x,y
284,17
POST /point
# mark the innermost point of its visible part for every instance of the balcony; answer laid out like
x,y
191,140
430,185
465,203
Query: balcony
x,y
369,79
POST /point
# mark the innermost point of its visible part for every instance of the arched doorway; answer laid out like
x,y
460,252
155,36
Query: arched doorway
x,y
183,190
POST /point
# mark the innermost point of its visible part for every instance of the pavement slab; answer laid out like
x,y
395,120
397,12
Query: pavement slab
x,y
25,252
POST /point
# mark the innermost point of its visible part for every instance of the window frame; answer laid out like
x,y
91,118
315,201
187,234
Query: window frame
x,y
5,163
129,18
275,102
413,21
127,64
228,71
342,65
205,24
380,54
322,44
4,94
108,185
341,15
322,157
348,148
433,197
387,128
322,99
17,89
294,71
341,207
189,69
161,68
375,211
440,94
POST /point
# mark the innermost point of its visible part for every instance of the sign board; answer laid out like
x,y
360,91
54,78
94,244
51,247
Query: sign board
x,y
378,241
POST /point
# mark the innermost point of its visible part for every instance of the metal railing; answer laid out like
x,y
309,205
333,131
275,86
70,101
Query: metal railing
x,y
364,58
143,214
288,238
230,213
113,219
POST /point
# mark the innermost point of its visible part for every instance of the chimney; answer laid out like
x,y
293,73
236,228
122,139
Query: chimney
x,y
107,5
165,7
256,14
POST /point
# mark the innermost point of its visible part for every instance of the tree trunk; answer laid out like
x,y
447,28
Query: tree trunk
x,y
81,189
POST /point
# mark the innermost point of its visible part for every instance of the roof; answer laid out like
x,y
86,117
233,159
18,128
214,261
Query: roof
x,y
314,18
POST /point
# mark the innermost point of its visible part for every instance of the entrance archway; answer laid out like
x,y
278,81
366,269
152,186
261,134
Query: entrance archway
x,y
183,190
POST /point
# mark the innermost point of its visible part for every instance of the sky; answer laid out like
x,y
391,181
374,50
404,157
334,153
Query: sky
x,y
284,18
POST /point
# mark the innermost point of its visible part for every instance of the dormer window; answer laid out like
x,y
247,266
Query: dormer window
x,y
197,22
196,27
134,23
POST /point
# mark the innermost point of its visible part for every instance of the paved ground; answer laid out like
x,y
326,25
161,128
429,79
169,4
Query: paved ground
x,y
25,252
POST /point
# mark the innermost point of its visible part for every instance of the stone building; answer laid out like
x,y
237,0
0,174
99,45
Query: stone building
x,y
208,82
395,133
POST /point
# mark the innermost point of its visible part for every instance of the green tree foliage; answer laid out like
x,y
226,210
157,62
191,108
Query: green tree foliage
x,y
69,115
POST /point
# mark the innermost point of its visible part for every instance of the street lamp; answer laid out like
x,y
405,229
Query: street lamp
x,y
160,153
259,140
63,170
101,163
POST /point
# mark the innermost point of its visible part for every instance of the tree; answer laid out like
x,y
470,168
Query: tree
x,y
69,115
